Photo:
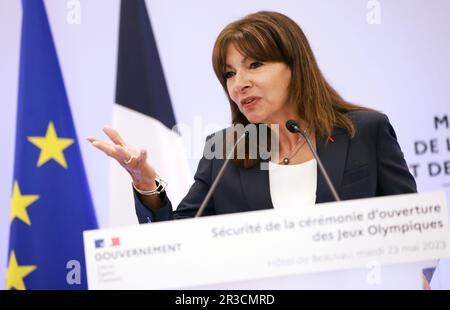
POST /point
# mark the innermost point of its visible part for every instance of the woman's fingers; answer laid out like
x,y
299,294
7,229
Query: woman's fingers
x,y
105,147
91,138
142,157
114,135
134,161
125,156
115,151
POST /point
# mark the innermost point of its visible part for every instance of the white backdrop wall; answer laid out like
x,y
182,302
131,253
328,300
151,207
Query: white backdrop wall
x,y
399,66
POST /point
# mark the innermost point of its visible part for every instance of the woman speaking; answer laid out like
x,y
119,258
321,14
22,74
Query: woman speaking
x,y
270,75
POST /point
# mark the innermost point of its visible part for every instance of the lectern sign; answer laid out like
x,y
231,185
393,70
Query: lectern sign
x,y
255,247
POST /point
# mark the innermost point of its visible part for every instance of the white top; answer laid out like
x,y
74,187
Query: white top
x,y
293,185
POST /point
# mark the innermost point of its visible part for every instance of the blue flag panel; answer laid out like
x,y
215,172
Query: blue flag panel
x,y
51,204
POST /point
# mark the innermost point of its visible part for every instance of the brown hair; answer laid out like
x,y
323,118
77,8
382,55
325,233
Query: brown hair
x,y
271,36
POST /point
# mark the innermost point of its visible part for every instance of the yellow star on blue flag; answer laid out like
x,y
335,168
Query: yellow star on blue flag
x,y
15,274
51,146
20,203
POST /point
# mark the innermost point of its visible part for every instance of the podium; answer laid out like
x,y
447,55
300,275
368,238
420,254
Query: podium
x,y
376,243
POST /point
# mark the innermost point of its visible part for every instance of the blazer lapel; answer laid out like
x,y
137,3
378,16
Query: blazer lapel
x,y
333,156
256,187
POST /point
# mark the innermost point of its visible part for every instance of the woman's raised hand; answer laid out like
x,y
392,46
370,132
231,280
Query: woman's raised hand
x,y
134,161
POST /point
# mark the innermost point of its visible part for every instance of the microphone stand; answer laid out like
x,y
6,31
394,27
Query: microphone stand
x,y
293,127
218,177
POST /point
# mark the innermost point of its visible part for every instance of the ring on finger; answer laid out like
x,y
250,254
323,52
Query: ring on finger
x,y
127,162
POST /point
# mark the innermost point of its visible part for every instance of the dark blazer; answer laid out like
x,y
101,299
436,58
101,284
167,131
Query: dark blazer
x,y
371,164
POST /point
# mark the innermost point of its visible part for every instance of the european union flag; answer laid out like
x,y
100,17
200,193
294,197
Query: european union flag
x,y
51,203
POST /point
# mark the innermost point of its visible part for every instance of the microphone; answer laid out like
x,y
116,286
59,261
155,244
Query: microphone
x,y
219,176
293,127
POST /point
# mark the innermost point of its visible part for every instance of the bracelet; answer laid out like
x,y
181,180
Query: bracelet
x,y
161,186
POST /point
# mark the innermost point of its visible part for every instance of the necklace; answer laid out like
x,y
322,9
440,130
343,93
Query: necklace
x,y
286,160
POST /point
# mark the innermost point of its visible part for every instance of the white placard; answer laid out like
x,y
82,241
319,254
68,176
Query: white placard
x,y
232,249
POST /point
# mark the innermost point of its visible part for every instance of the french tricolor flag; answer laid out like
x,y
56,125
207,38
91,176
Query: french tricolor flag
x,y
143,114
